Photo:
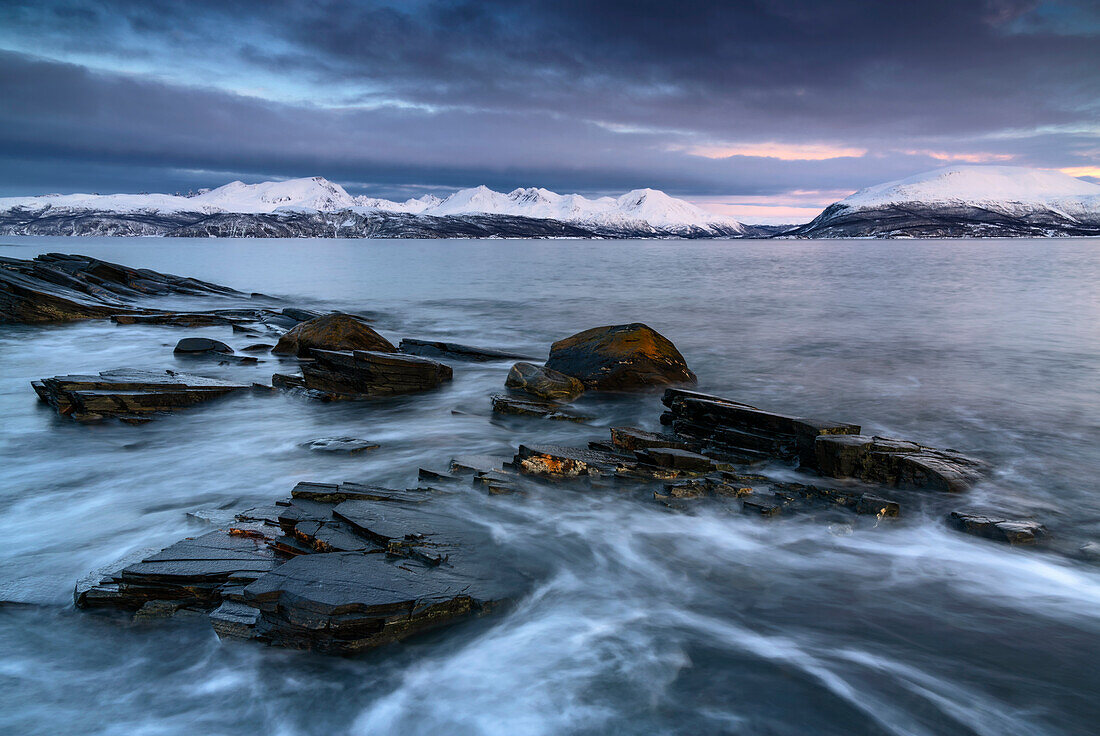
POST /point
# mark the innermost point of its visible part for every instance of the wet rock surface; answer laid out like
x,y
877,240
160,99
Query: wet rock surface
x,y
455,351
368,374
331,332
337,568
128,394
620,358
56,287
896,463
532,407
542,382
201,345
744,430
998,528
349,445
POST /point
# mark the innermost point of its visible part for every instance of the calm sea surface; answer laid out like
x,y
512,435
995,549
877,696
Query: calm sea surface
x,y
648,622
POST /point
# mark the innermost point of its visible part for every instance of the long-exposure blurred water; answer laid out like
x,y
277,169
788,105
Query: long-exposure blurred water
x,y
648,621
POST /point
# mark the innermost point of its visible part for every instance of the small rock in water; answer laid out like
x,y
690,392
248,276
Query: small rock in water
x,y
201,345
998,529
620,358
543,382
350,445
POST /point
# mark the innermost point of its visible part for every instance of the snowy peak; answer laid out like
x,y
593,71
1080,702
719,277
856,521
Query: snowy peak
x,y
642,210
977,185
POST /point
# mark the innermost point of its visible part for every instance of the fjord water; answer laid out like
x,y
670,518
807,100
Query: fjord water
x,y
646,621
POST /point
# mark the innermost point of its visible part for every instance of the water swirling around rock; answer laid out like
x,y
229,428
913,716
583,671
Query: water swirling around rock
x,y
645,622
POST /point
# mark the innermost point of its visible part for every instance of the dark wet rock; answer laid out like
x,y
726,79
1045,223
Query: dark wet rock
x,y
567,462
299,315
192,571
896,463
349,445
331,332
128,393
367,374
178,319
869,503
620,358
456,351
259,347
337,568
57,287
997,528
201,345
287,381
672,457
764,504
534,408
543,382
632,438
727,425
468,464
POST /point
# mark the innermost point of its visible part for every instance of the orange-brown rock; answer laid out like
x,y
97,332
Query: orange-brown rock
x,y
620,358
331,332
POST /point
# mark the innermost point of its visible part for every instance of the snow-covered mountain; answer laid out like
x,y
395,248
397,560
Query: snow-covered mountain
x,y
640,213
965,201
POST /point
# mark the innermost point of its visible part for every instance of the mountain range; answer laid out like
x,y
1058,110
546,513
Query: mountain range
x,y
964,201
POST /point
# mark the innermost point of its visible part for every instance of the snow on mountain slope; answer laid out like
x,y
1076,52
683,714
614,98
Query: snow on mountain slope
x,y
983,185
965,201
641,209
316,193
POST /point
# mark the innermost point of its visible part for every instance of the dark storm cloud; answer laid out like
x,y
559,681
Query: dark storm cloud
x,y
575,95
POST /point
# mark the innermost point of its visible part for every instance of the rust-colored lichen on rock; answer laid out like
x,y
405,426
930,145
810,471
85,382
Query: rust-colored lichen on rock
x,y
620,358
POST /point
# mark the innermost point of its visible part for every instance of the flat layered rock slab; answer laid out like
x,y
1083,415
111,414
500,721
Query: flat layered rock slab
x,y
345,445
59,287
526,407
128,393
897,463
435,348
347,601
366,373
727,424
632,438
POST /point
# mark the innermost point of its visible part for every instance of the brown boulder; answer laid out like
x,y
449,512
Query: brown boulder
x,y
331,332
620,358
543,382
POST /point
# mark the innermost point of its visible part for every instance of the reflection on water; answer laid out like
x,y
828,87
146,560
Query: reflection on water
x,y
646,622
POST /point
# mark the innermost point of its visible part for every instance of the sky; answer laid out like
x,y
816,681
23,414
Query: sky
x,y
767,111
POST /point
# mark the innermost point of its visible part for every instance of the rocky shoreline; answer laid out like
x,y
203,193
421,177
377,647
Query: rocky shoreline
x,y
345,567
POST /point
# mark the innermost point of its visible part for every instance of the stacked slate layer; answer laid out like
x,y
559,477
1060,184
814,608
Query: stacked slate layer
x,y
128,394
58,287
337,568
745,431
369,373
833,449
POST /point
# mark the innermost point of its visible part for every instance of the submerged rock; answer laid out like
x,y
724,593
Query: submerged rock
x,y
414,346
367,374
201,345
896,463
350,445
727,425
620,358
998,529
128,394
543,382
331,332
